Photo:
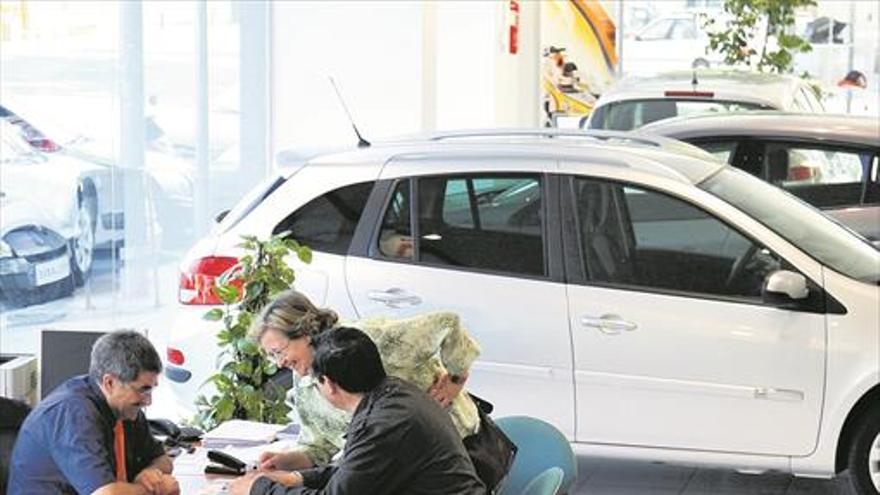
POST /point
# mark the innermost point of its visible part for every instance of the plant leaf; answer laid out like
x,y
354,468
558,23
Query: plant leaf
x,y
213,315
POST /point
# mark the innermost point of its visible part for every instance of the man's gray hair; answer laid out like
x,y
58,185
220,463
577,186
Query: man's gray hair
x,y
124,354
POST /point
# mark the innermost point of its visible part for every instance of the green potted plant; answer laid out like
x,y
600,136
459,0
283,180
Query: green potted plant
x,y
244,389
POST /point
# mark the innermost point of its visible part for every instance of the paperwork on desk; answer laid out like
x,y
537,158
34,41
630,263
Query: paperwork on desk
x,y
240,433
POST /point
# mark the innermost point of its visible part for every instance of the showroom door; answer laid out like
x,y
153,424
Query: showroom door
x,y
481,251
673,345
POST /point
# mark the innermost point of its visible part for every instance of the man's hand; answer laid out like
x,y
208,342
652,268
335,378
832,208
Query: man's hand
x,y
284,461
155,482
286,479
168,486
150,478
445,389
269,461
242,486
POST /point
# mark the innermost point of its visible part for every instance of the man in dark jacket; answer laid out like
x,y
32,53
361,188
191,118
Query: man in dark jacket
x,y
399,441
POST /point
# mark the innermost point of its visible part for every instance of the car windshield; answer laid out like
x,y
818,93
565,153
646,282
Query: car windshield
x,y
816,234
632,114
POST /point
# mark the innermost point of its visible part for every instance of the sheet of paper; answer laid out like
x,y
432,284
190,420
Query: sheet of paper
x,y
237,431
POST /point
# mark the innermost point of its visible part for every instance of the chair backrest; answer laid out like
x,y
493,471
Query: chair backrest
x,y
541,446
12,414
546,483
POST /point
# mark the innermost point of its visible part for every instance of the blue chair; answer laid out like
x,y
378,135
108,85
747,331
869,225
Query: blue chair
x,y
547,483
541,446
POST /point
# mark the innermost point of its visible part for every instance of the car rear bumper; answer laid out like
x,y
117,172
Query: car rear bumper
x,y
196,341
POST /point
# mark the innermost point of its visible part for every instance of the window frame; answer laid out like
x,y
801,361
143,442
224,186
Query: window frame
x,y
551,230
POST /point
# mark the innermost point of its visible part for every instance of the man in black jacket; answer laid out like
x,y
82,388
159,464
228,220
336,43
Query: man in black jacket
x,y
399,441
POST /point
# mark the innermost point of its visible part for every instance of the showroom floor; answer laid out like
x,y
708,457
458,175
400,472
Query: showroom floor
x,y
615,477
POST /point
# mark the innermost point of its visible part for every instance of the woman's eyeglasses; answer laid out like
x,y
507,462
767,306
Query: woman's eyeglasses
x,y
278,354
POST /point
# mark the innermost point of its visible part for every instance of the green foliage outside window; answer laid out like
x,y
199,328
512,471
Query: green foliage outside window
x,y
751,25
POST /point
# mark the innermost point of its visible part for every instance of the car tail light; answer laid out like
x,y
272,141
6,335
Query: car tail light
x,y
800,173
46,145
175,356
689,94
197,281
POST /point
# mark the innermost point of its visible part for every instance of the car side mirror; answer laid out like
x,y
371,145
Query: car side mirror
x,y
784,287
220,216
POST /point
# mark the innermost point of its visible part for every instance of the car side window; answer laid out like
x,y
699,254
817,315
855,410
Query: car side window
x,y
635,237
486,222
722,150
683,30
821,176
395,236
327,223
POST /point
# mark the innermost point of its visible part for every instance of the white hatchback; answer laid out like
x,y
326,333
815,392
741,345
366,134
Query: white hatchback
x,y
639,100
647,300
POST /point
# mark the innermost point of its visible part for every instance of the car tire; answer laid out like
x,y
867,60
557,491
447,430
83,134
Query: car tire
x,y
863,459
82,244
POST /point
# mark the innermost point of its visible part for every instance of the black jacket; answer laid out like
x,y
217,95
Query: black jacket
x,y
399,441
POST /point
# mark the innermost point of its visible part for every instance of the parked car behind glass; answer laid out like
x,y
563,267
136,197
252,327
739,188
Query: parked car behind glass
x,y
829,161
676,41
648,300
38,224
167,180
636,101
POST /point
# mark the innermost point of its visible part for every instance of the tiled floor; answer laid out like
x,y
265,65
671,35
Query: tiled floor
x,y
614,477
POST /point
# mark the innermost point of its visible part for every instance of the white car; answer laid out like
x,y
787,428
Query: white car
x,y
675,41
635,101
42,243
167,180
648,300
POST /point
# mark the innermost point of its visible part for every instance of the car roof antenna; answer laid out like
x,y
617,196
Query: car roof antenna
x,y
694,81
362,143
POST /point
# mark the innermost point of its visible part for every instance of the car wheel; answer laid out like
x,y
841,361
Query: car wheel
x,y
82,244
864,455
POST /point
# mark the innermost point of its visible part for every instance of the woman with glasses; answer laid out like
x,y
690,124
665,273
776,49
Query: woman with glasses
x,y
433,351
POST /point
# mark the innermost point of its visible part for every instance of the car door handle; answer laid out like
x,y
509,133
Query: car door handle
x,y
394,297
609,324
779,394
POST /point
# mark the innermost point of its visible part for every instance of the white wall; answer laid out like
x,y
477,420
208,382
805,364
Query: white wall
x,y
478,82
373,50
465,65
403,67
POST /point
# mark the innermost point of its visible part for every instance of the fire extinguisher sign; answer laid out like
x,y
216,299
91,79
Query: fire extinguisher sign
x,y
513,27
